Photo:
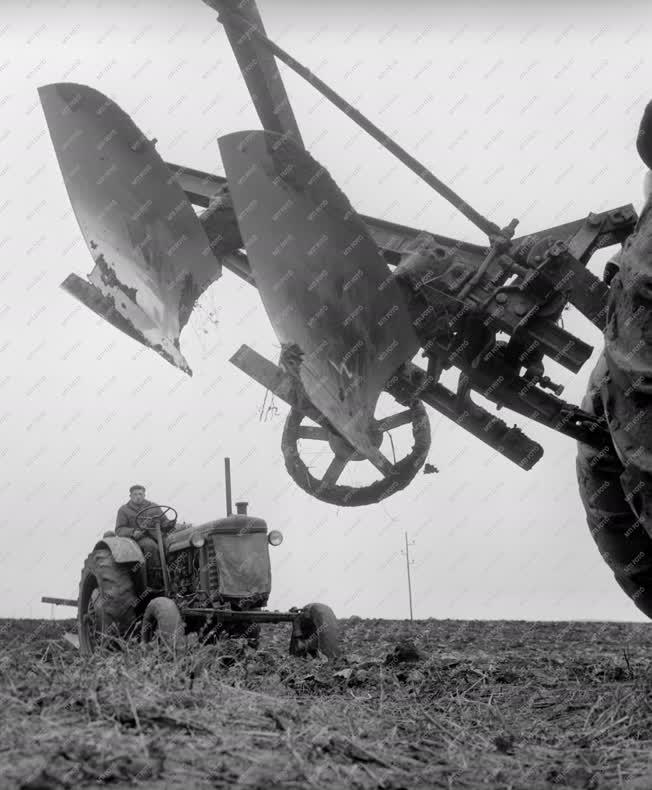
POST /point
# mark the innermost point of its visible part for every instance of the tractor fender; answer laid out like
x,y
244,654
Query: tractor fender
x,y
122,549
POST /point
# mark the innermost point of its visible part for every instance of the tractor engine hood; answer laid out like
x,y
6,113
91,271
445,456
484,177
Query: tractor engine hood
x,y
237,553
240,526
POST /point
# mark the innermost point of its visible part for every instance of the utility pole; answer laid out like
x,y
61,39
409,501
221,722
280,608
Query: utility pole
x,y
408,562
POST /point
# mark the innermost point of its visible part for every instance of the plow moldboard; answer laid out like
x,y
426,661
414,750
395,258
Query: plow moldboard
x,y
152,256
322,279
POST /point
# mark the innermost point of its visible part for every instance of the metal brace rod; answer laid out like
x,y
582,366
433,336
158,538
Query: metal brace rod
x,y
481,222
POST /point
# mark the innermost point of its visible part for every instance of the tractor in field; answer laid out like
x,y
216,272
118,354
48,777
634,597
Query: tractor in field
x,y
216,581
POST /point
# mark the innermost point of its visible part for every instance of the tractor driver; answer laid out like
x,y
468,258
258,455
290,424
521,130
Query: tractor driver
x,y
126,527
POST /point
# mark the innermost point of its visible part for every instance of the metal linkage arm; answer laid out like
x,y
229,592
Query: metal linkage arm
x,y
481,222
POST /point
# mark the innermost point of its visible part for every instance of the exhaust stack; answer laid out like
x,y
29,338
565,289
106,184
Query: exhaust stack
x,y
227,485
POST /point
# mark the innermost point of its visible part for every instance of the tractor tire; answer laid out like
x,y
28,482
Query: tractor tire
x,y
162,623
107,602
315,631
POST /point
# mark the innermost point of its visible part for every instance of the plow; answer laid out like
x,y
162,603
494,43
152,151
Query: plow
x,y
352,299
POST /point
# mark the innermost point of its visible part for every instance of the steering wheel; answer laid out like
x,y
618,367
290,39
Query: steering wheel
x,y
155,518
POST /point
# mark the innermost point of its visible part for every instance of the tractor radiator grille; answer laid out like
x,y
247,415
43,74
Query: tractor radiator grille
x,y
213,575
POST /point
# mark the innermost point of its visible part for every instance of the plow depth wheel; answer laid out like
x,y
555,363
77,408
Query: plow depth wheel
x,y
163,624
326,489
315,631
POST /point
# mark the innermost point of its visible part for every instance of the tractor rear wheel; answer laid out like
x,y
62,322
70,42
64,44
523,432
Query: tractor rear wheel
x,y
315,631
162,623
107,602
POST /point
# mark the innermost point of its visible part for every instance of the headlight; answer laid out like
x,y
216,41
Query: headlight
x,y
275,537
197,541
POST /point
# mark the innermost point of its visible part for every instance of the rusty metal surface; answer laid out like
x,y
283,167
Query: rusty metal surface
x,y
104,306
152,256
322,280
122,549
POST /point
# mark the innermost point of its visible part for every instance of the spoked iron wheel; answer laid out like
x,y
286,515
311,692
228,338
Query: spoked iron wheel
x,y
327,489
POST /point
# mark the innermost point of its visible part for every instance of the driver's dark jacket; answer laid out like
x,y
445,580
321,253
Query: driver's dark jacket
x,y
125,521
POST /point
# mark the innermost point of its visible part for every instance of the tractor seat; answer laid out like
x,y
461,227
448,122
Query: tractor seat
x,y
109,534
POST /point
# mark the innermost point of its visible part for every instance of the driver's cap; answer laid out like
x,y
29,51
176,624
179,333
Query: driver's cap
x,y
136,488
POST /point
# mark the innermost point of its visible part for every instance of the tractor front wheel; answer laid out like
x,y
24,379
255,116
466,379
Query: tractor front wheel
x,y
107,602
162,623
315,631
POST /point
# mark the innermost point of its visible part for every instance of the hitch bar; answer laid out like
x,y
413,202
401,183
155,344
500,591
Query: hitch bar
x,y
253,616
59,601
219,615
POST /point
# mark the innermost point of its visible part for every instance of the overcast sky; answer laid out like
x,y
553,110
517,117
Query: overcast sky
x,y
526,113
